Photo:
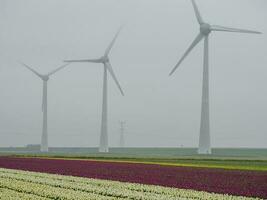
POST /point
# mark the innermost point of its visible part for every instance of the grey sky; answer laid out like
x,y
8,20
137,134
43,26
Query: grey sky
x,y
159,110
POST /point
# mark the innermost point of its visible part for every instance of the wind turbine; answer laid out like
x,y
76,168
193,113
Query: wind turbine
x,y
45,78
103,145
205,30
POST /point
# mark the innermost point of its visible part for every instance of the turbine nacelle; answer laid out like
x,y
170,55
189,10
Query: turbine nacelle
x,y
104,59
205,29
45,77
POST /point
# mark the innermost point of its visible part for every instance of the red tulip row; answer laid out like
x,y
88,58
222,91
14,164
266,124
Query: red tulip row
x,y
234,182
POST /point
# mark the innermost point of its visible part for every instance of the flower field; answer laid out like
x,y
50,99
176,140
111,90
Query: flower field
x,y
232,182
17,184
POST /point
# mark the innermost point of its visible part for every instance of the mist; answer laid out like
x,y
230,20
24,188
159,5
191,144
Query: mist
x,y
160,111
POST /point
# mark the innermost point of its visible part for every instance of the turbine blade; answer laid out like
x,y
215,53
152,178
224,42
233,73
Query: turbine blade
x,y
109,67
113,41
32,70
197,13
56,70
194,43
228,29
85,60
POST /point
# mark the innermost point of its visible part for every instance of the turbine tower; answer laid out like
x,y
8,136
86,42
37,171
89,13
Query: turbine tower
x,y
45,78
122,124
205,30
103,145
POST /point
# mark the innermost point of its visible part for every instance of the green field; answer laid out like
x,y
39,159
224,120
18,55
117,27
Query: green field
x,y
242,159
150,152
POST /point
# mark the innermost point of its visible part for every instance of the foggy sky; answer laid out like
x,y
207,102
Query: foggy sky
x,y
160,111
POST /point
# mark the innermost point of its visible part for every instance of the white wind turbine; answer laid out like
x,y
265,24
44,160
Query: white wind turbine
x,y
45,78
205,30
103,145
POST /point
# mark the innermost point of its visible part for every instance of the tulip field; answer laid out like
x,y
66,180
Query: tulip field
x,y
18,184
58,178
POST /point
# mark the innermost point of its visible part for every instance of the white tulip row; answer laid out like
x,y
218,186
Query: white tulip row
x,y
7,194
17,184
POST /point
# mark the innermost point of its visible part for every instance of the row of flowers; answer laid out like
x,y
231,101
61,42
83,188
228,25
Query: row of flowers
x,y
48,186
7,194
232,182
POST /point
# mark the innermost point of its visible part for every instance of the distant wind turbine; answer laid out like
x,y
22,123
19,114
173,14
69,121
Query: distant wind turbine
x,y
103,145
45,78
205,30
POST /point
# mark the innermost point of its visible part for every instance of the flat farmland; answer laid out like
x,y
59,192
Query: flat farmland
x,y
18,184
249,183
243,153
231,158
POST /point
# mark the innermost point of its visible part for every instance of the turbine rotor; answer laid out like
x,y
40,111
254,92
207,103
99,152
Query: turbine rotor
x,y
104,59
45,78
205,29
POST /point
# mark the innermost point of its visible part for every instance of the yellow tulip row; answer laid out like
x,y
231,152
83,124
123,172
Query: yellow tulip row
x,y
17,184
